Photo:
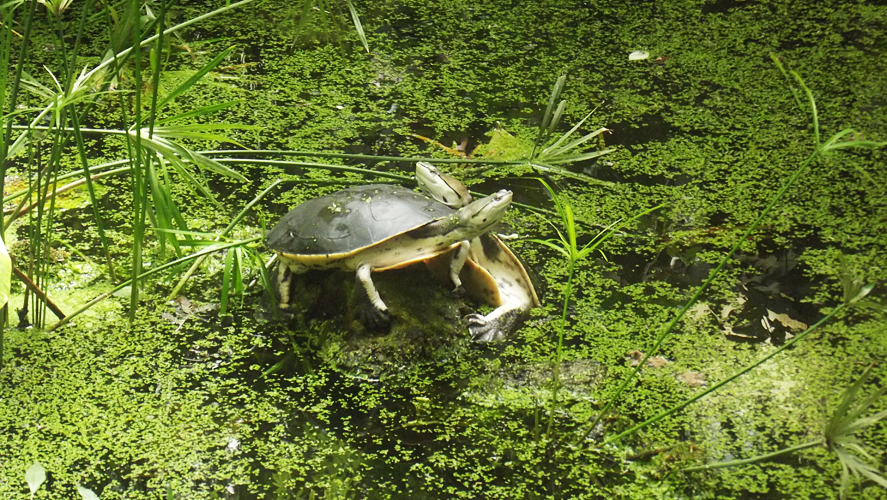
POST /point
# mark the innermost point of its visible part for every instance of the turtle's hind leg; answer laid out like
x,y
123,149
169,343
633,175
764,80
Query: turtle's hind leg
x,y
372,312
283,279
281,293
494,326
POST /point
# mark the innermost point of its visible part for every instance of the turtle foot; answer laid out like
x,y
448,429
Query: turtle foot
x,y
484,330
374,319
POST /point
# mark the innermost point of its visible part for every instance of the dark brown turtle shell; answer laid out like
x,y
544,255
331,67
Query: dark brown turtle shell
x,y
346,222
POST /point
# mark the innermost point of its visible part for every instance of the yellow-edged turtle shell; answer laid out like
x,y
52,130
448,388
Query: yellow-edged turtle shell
x,y
323,230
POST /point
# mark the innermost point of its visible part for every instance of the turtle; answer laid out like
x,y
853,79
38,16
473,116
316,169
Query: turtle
x,y
374,228
492,273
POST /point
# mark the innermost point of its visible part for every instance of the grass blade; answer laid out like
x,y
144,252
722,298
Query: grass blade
x,y
5,274
564,137
194,78
546,117
554,246
555,94
176,154
226,280
357,25
558,114
183,171
212,108
581,157
577,142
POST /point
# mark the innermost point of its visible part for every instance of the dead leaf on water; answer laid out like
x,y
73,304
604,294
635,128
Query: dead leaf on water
x,y
636,356
786,321
693,379
698,311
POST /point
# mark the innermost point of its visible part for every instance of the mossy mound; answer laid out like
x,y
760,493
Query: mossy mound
x,y
427,323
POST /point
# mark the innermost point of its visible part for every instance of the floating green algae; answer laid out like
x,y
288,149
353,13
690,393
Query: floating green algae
x,y
706,125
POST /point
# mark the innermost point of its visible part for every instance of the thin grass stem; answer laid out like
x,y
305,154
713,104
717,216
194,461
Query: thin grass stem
x,y
568,293
136,163
724,382
13,94
377,158
712,275
151,272
759,458
175,291
87,178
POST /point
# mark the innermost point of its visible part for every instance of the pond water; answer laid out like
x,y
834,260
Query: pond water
x,y
185,402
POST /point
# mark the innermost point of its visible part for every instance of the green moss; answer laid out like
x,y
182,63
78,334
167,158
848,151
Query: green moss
x,y
707,126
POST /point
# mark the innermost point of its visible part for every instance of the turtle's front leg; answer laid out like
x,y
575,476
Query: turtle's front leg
x,y
459,257
373,313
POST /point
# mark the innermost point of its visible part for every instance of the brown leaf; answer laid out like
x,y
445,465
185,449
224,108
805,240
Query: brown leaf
x,y
786,321
636,356
693,379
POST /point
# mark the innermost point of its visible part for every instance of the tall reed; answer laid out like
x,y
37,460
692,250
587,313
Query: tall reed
x,y
152,138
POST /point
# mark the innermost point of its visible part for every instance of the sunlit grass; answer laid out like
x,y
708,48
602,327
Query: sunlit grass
x,y
566,244
153,140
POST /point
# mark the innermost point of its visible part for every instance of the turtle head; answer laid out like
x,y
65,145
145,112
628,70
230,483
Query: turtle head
x,y
442,187
480,215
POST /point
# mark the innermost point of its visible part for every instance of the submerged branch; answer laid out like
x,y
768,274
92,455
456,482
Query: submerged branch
x,y
38,292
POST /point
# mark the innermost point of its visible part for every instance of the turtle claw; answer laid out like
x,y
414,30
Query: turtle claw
x,y
374,319
484,330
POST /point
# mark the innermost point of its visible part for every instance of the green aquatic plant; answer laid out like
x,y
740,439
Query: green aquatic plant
x,y
557,152
35,476
838,436
5,274
153,141
567,245
822,150
242,252
56,7
235,257
327,15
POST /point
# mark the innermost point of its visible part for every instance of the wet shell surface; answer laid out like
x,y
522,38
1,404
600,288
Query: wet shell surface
x,y
353,219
